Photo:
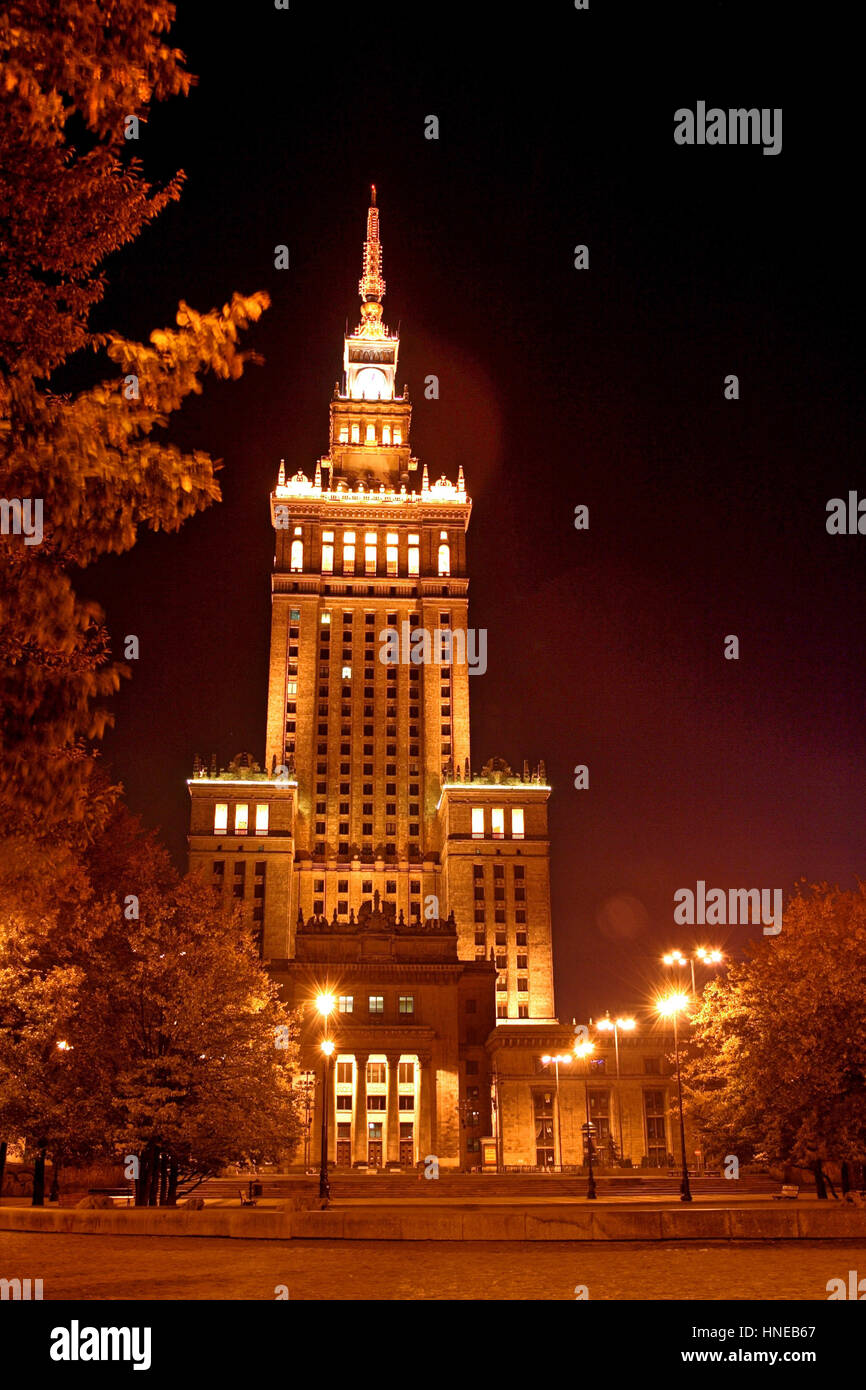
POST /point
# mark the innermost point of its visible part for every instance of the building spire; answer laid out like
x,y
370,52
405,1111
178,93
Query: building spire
x,y
371,286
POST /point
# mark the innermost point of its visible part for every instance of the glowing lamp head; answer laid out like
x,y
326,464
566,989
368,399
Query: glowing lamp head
x,y
605,1024
325,1004
327,1047
627,1025
672,1004
584,1049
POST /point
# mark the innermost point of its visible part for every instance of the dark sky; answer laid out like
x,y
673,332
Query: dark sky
x,y
558,387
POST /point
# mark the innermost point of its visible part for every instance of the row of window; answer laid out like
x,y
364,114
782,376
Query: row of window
x,y
377,1073
599,1114
497,822
376,1005
351,434
241,818
371,553
404,1102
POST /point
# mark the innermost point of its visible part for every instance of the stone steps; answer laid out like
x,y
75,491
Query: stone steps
x,y
456,1186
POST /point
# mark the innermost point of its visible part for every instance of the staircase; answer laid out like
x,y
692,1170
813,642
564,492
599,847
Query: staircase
x,y
463,1187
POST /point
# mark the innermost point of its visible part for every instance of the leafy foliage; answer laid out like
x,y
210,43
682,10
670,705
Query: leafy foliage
x,y
778,1058
135,1015
98,460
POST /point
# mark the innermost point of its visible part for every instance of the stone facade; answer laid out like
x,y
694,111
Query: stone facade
x,y
539,1119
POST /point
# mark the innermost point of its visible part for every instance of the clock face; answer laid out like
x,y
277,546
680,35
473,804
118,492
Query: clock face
x,y
370,385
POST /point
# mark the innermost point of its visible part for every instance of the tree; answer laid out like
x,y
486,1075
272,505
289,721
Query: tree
x,y
136,1017
778,1056
96,461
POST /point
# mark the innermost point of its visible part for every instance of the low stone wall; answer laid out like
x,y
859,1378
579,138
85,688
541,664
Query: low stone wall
x,y
788,1222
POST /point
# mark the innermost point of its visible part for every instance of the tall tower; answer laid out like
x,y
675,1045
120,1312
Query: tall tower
x,y
367,749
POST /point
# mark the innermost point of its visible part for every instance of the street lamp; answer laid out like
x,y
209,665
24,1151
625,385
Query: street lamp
x,y
585,1050
327,1052
701,953
671,1007
564,1058
617,1025
325,1004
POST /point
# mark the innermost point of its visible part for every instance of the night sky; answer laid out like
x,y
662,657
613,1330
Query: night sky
x,y
557,387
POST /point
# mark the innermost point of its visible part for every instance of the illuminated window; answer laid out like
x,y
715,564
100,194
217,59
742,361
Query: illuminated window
x,y
398,435
327,552
348,552
444,554
356,434
221,818
296,562
477,822
414,555
345,1005
497,822
325,618
347,673
370,552
375,1073
242,818
517,823
386,434
262,818
391,552
376,1006
344,434
291,687
371,434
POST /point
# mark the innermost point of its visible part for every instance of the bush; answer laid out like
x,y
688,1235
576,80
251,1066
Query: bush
x,y
99,1201
194,1203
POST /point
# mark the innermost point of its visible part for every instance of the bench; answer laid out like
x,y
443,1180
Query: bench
x,y
117,1194
790,1192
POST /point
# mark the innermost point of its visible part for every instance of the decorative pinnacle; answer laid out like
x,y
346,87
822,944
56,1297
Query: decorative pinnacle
x,y
371,286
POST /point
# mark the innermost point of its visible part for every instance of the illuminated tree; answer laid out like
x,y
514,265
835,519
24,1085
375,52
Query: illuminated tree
x,y
97,461
136,1017
778,1058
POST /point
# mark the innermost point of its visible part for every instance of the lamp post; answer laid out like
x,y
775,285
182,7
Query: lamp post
x,y
627,1025
585,1050
560,1057
324,1185
671,1007
701,953
325,1006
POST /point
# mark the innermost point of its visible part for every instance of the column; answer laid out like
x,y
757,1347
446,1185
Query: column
x,y
427,1103
359,1140
392,1153
332,1108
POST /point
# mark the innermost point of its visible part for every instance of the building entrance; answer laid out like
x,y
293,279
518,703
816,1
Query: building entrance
x,y
374,1144
407,1145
